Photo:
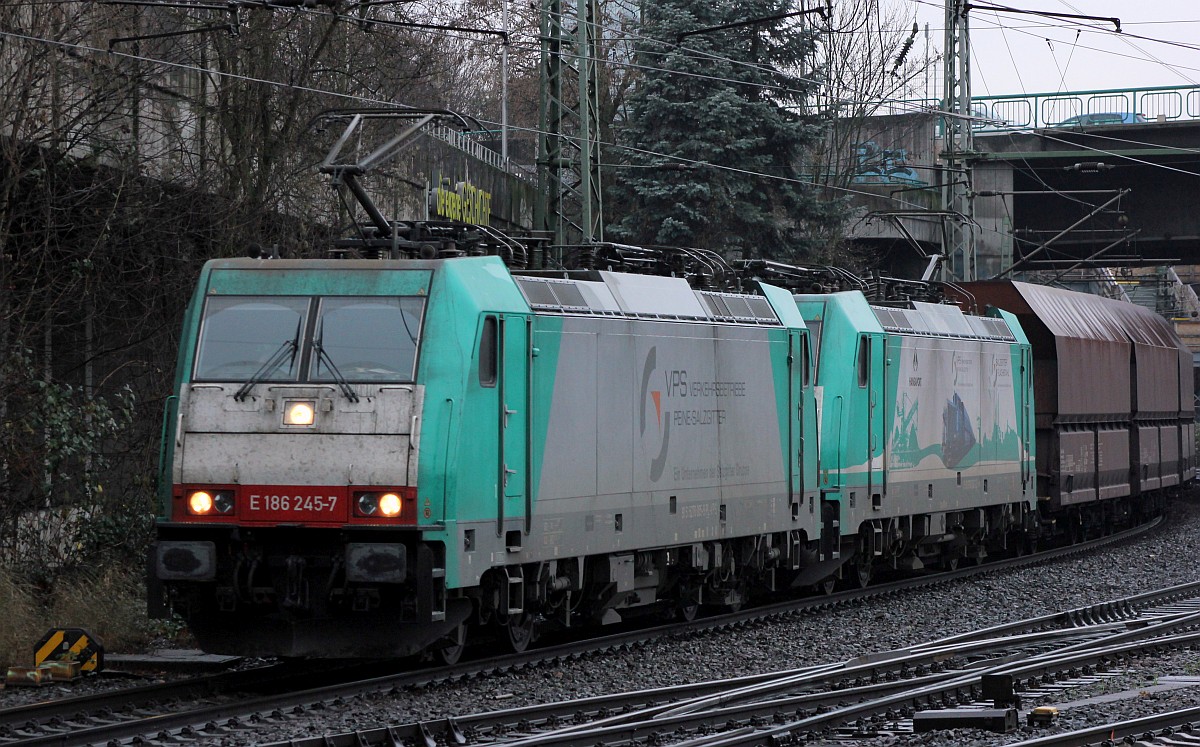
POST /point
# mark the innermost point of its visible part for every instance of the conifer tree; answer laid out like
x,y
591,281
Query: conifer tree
x,y
714,136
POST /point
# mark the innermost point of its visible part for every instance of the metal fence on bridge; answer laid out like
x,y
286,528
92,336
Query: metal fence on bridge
x,y
1026,111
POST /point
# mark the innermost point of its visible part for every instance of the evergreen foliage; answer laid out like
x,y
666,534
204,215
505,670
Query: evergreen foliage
x,y
720,111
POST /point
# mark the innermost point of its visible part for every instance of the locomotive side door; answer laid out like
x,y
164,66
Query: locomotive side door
x,y
1024,417
514,423
876,376
798,379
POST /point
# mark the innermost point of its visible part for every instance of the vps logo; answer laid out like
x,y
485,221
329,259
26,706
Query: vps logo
x,y
660,426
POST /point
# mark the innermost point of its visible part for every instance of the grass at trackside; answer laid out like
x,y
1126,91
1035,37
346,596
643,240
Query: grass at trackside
x,y
111,605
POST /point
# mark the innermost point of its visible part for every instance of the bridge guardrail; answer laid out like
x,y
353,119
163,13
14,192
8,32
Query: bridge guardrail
x,y
1027,111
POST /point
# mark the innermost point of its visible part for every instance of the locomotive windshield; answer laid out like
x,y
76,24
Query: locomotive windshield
x,y
366,339
242,335
267,338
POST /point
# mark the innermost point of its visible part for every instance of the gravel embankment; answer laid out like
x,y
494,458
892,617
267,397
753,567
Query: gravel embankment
x,y
1164,558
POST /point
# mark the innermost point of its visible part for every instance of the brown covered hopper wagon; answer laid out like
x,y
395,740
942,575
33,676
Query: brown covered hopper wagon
x,y
1113,393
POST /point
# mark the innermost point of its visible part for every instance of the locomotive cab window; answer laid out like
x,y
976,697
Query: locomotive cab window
x,y
814,338
245,336
488,364
864,361
366,339
805,363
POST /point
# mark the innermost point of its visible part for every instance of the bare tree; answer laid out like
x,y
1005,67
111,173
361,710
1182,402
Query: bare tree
x,y
56,126
870,62
122,171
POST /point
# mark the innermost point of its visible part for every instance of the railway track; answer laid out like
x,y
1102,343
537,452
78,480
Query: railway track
x,y
233,702
1170,729
788,707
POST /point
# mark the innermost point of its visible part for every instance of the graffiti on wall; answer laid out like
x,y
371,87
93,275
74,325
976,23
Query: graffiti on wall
x,y
465,202
875,165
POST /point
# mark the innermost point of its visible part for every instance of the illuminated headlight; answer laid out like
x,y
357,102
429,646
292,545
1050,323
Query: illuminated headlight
x,y
200,503
390,504
207,502
386,505
299,412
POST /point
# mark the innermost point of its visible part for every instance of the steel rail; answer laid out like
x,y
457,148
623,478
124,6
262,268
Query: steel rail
x,y
651,721
1039,666
259,678
1140,730
740,723
1104,612
953,686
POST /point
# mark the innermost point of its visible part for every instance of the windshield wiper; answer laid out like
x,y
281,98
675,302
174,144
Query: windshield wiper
x,y
337,375
286,352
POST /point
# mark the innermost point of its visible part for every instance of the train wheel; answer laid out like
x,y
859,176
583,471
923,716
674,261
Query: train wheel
x,y
520,632
863,574
451,652
1017,544
688,610
828,586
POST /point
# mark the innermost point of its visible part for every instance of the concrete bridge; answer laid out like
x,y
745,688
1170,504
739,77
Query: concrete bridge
x,y
1060,182
1126,193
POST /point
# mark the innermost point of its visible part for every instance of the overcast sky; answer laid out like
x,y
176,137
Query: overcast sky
x,y
1015,53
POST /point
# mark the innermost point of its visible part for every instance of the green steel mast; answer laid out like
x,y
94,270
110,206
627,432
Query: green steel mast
x,y
958,145
569,204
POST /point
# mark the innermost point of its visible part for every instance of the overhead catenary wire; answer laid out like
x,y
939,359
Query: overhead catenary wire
x,y
1126,39
1034,30
733,81
367,100
617,146
693,54
362,99
1011,57
1115,154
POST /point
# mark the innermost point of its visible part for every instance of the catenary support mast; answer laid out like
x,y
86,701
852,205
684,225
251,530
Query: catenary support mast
x,y
569,204
958,146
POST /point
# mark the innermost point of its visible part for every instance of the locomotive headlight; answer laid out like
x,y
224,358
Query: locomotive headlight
x,y
390,504
200,503
386,504
299,412
208,502
368,504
